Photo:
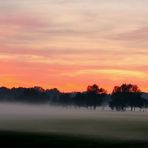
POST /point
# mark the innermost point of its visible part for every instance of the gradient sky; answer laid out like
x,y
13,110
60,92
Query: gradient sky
x,y
70,44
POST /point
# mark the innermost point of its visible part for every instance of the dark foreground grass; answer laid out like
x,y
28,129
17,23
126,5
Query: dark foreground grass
x,y
18,139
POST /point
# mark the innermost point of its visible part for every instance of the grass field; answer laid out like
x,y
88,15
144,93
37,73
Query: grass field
x,y
15,139
57,127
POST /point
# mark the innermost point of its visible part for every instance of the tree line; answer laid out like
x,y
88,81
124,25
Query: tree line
x,y
121,98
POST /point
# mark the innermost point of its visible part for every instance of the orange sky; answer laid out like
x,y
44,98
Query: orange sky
x,y
72,44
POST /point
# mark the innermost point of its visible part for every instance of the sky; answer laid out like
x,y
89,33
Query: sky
x,y
70,44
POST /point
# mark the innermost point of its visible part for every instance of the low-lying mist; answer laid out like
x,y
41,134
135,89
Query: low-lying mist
x,y
74,121
31,111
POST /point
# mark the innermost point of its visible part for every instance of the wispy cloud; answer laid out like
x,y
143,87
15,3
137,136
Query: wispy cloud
x,y
139,34
56,38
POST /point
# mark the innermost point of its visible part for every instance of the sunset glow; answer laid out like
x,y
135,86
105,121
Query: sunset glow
x,y
70,44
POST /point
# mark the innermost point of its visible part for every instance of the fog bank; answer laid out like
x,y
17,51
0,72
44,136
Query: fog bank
x,y
59,120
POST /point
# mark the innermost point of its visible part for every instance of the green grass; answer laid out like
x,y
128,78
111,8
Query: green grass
x,y
20,139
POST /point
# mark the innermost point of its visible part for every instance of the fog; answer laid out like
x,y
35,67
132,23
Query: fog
x,y
12,111
74,121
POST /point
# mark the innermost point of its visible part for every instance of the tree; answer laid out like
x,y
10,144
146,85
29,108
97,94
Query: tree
x,y
126,88
126,95
94,95
95,89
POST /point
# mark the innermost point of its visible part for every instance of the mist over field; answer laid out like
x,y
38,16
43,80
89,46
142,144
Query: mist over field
x,y
71,121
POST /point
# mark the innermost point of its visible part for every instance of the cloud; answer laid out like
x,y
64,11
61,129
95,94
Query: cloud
x,y
63,37
135,39
23,21
139,34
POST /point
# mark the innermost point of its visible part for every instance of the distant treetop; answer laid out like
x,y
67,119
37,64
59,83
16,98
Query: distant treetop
x,y
125,88
95,89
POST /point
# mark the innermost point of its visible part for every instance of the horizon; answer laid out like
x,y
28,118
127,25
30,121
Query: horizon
x,y
71,44
73,91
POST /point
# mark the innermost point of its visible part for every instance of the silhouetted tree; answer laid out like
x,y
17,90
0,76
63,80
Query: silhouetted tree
x,y
5,94
94,95
34,95
95,89
126,95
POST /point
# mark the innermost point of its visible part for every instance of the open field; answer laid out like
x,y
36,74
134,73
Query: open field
x,y
58,127
15,139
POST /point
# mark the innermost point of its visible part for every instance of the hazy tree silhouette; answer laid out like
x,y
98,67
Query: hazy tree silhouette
x,y
126,95
94,95
34,95
94,89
